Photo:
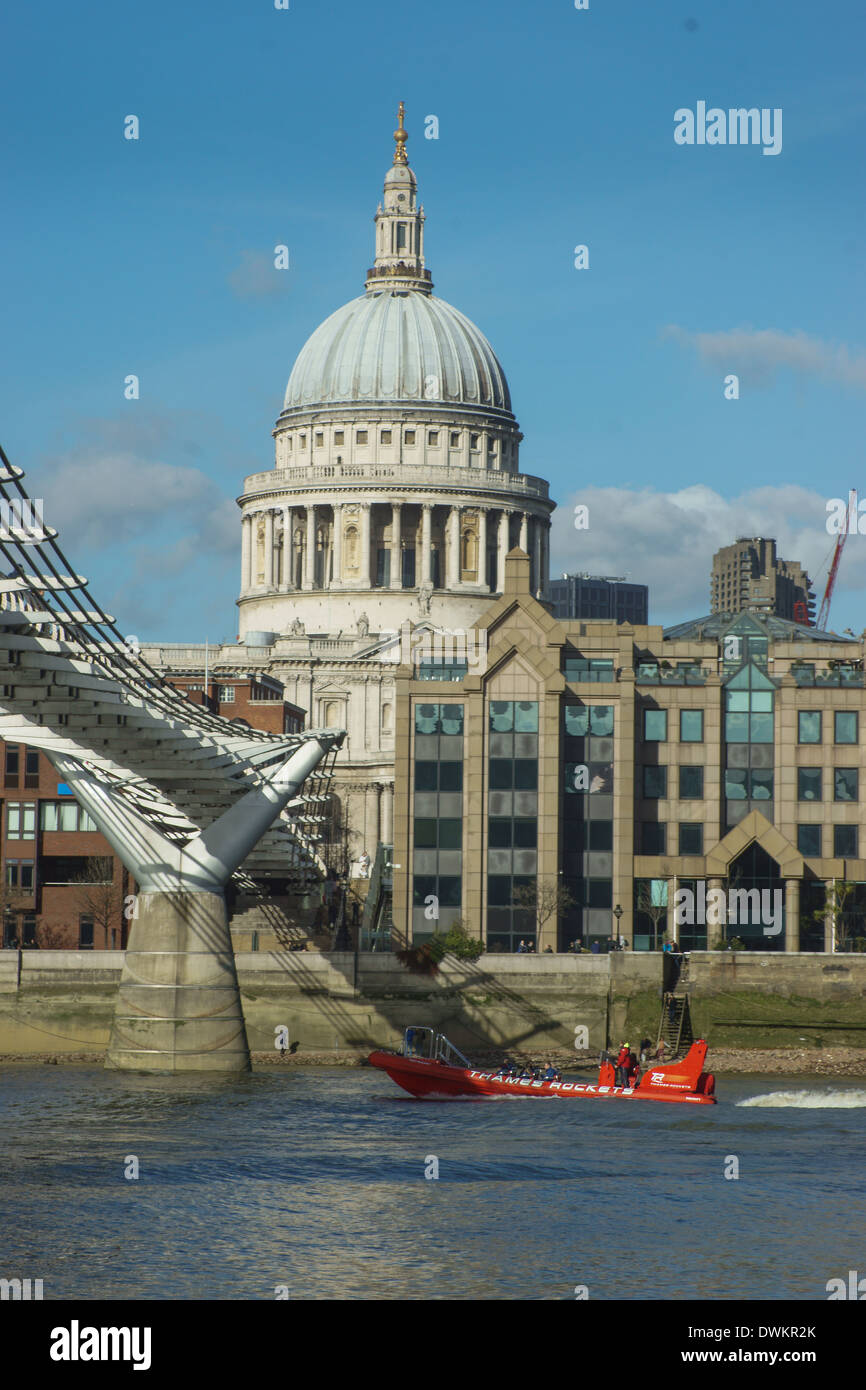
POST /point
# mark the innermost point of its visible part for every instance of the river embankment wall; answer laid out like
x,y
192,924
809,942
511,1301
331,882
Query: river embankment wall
x,y
63,1001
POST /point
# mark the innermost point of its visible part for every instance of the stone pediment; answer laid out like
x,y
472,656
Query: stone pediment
x,y
755,829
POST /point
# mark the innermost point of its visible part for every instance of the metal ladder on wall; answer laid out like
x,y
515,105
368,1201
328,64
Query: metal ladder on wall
x,y
375,931
675,1024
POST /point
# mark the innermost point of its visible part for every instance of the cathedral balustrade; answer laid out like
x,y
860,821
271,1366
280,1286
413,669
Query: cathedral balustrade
x,y
466,479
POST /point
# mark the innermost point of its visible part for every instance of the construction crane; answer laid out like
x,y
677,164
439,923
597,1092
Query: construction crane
x,y
824,614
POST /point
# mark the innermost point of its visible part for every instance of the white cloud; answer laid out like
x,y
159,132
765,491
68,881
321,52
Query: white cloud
x,y
757,354
667,539
257,277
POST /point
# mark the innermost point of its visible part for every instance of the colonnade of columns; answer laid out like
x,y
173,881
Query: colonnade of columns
x,y
377,821
290,547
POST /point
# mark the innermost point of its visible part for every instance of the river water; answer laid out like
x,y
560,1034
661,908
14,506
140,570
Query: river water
x,y
313,1183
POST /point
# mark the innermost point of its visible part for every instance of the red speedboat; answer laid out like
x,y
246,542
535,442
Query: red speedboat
x,y
429,1066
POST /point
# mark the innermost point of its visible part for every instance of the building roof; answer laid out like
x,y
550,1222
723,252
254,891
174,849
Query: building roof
x,y
715,625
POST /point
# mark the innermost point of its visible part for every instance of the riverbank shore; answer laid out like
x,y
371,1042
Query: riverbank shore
x,y
725,1061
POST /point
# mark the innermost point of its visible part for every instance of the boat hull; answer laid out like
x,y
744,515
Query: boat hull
x,y
436,1080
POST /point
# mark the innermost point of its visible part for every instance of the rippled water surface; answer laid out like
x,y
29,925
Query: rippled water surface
x,y
315,1180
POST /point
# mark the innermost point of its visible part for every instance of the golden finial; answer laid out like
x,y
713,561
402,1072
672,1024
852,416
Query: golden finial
x,y
400,138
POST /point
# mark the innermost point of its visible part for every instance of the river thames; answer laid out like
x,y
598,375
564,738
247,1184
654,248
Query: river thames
x,y
311,1184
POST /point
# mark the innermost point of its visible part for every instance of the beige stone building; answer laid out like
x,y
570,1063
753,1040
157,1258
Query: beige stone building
x,y
708,777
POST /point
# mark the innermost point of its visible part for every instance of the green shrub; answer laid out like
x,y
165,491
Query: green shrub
x,y
455,942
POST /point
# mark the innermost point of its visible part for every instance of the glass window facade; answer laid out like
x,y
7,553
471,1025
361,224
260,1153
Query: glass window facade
x,y
691,783
846,784
845,726
845,841
809,784
438,818
587,749
691,839
655,782
809,726
578,668
655,725
749,728
691,726
809,841
512,825
654,837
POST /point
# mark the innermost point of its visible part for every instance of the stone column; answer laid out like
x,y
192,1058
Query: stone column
x,y
365,545
426,510
669,920
524,531
387,813
337,577
503,551
396,548
828,916
482,546
269,548
792,914
246,553
715,931
286,554
536,557
452,549
310,549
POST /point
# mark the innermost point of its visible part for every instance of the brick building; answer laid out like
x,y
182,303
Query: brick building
x,y
62,885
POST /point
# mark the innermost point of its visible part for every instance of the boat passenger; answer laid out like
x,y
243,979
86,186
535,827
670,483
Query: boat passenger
x,y
631,1069
551,1074
621,1064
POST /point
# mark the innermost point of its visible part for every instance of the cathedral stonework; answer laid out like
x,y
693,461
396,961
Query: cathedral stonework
x,y
395,496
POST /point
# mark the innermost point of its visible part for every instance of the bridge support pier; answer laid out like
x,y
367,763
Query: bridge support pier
x,y
178,1006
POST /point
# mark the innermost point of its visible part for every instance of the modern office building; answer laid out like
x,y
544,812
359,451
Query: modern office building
x,y
748,577
625,764
592,596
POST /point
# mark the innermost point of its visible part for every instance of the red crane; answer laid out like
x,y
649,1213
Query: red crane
x,y
824,614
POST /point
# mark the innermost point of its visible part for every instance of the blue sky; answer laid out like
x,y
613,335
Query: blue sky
x,y
261,127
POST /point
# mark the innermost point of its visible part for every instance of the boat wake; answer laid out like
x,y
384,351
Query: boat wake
x,y
808,1100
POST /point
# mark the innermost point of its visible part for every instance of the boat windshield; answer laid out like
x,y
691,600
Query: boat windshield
x,y
424,1042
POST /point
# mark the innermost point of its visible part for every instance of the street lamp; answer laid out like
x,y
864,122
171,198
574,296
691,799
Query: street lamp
x,y
617,912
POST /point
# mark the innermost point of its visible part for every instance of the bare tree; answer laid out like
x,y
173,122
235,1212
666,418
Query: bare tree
x,y
51,938
12,902
547,898
98,896
655,911
837,908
